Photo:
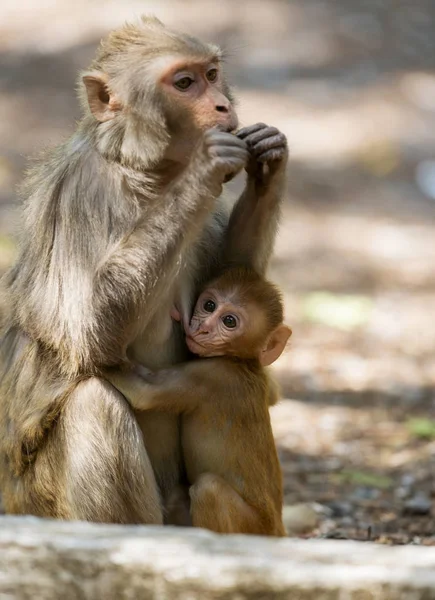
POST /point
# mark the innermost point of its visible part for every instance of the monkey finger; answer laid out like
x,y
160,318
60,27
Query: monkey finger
x,y
143,372
246,131
235,165
216,137
230,152
275,154
276,141
263,134
230,164
232,169
225,153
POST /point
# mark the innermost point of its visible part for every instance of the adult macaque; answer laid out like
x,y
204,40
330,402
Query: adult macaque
x,y
227,440
120,221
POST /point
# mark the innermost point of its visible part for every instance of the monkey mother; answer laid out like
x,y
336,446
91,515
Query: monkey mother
x,y
120,222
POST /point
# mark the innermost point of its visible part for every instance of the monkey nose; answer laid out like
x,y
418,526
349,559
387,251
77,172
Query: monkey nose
x,y
196,329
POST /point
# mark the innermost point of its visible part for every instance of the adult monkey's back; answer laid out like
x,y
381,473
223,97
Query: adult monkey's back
x,y
120,221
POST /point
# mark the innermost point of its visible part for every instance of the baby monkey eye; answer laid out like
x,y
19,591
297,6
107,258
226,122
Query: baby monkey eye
x,y
184,83
209,306
212,75
229,321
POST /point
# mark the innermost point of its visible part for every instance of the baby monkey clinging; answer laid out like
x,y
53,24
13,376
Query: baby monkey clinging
x,y
240,314
229,450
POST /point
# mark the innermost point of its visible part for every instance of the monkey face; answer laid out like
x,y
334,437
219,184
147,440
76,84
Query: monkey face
x,y
196,98
199,90
221,325
161,89
240,314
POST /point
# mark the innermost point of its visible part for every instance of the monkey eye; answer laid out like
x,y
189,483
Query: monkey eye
x,y
212,75
229,321
183,83
209,306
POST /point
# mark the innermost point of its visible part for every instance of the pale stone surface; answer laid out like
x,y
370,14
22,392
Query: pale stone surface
x,y
54,560
300,518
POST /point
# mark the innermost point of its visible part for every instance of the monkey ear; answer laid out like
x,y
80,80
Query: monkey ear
x,y
101,102
275,345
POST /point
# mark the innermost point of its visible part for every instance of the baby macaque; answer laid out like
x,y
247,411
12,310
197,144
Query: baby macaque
x,y
229,451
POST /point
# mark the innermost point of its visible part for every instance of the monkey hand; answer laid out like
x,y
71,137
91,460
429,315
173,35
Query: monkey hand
x,y
143,372
148,375
225,153
267,146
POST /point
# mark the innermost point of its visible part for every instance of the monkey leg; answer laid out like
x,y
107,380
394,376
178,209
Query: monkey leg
x,y
95,462
215,505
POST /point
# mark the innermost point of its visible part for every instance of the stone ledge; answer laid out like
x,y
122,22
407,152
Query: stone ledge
x,y
41,559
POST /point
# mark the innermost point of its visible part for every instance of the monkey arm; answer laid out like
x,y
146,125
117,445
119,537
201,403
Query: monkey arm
x,y
254,221
176,390
252,227
143,262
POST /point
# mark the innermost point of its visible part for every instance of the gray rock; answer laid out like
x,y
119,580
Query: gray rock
x,y
420,504
340,508
300,518
52,560
401,493
366,493
407,480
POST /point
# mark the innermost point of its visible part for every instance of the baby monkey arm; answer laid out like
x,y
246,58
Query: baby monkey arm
x,y
176,390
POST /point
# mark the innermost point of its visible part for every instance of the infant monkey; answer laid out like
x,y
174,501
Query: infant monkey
x,y
227,440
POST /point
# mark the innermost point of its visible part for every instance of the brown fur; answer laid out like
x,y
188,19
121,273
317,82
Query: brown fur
x,y
113,231
227,438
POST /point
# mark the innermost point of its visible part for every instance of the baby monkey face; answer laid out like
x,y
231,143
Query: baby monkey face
x,y
239,315
218,320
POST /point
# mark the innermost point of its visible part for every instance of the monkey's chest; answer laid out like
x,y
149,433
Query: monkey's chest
x,y
161,342
160,346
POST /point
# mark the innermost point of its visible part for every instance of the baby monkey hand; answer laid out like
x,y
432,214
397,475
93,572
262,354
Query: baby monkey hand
x,y
144,373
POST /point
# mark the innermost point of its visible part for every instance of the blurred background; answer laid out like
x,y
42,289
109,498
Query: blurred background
x,y
352,84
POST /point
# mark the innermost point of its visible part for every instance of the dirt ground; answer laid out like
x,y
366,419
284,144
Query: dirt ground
x,y
352,84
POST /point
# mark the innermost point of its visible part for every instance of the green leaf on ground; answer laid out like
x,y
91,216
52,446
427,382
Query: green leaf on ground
x,y
365,479
341,311
422,428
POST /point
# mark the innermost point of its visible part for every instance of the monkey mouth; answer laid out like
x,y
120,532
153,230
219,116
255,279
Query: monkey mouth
x,y
230,128
203,351
194,347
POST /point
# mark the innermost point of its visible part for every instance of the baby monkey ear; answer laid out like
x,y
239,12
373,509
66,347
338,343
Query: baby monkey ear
x,y
102,103
275,345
